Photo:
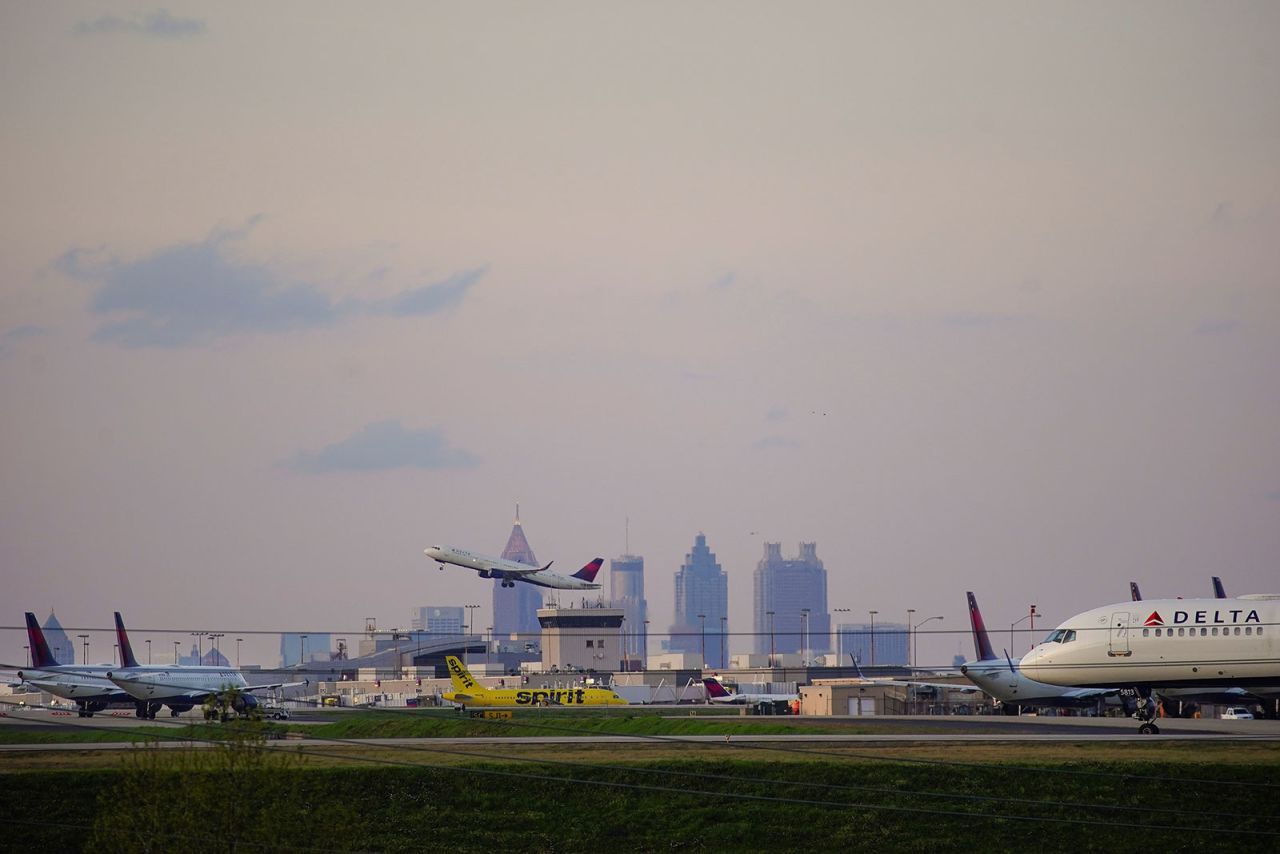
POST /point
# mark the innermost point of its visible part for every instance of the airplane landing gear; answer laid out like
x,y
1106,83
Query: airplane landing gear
x,y
1144,709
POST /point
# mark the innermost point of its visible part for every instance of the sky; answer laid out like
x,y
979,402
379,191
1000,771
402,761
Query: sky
x,y
976,296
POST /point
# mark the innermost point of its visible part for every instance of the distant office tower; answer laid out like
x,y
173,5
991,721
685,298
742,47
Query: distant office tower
x,y
890,644
299,647
515,609
784,589
626,589
702,606
438,620
64,652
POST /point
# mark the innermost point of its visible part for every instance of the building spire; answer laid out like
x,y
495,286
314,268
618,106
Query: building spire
x,y
517,512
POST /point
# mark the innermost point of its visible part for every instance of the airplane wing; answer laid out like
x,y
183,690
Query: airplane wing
x,y
274,685
1090,693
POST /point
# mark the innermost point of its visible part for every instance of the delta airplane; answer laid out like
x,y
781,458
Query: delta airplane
x,y
180,687
509,571
468,692
1009,683
86,685
1180,643
717,693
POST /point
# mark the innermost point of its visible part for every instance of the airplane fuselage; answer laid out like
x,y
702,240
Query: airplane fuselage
x,y
158,683
506,570
1164,643
71,682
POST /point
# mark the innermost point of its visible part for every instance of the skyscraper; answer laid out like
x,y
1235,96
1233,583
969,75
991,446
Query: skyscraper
x,y
702,606
626,589
59,644
515,609
791,602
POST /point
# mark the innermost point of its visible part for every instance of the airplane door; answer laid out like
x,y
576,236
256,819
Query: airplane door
x,y
1120,633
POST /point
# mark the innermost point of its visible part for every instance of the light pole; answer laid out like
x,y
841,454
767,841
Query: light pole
x,y
771,647
873,636
85,638
213,636
238,652
837,641
644,652
804,636
911,616
302,652
724,657
913,628
148,650
471,622
175,651
702,629
199,636
1031,615
488,646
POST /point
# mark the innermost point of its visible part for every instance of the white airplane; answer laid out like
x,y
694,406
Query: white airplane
x,y
180,687
86,685
1179,643
509,571
1008,683
717,693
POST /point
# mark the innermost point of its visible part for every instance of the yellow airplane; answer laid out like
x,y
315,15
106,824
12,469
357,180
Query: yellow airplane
x,y
468,692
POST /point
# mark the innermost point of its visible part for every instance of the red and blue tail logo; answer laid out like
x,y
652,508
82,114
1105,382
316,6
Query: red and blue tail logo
x,y
714,688
40,654
981,643
588,572
126,651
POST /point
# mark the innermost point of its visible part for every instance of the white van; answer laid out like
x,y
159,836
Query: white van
x,y
1237,713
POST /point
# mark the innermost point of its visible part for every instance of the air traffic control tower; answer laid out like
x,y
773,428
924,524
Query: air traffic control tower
x,y
586,638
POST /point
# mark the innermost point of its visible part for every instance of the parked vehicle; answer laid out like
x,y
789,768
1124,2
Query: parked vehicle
x,y
1237,713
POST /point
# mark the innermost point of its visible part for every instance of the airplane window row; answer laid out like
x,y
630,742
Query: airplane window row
x,y
1204,632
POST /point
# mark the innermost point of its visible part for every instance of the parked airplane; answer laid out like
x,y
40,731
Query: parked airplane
x,y
1005,680
1181,643
509,571
717,693
180,687
468,692
86,685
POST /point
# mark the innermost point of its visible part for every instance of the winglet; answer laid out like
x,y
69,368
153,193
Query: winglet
x,y
40,654
1134,593
588,572
1012,669
1219,592
122,638
981,643
714,688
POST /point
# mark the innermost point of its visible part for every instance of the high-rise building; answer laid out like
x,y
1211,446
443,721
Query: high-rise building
x,y
298,648
515,609
702,606
791,603
64,651
890,647
626,589
438,620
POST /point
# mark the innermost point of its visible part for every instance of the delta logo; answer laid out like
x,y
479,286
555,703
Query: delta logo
x,y
1154,620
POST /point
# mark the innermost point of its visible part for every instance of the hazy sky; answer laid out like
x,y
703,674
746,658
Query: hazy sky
x,y
977,296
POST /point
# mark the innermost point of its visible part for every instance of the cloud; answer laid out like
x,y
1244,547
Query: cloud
x,y
194,293
771,442
383,446
1218,327
159,24
19,333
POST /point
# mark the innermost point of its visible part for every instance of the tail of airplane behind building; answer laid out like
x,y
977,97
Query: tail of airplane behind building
x,y
1219,592
981,643
122,638
714,688
588,572
40,654
1134,593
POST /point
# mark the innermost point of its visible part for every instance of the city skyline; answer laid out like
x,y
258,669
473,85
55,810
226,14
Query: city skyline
x,y
975,296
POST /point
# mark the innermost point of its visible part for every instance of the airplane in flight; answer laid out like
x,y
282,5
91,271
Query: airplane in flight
x,y
1180,643
180,687
510,571
468,692
85,685
1009,683
718,693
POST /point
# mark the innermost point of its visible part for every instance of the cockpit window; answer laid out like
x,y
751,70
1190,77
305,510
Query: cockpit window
x,y
1069,636
1055,636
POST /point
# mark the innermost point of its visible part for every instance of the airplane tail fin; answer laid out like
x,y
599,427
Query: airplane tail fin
x,y
460,676
1219,592
857,668
981,643
40,654
122,638
714,688
588,572
1134,593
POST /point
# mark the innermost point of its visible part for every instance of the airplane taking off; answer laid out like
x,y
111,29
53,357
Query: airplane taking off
x,y
1180,643
468,692
1009,683
509,571
86,685
180,687
717,693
